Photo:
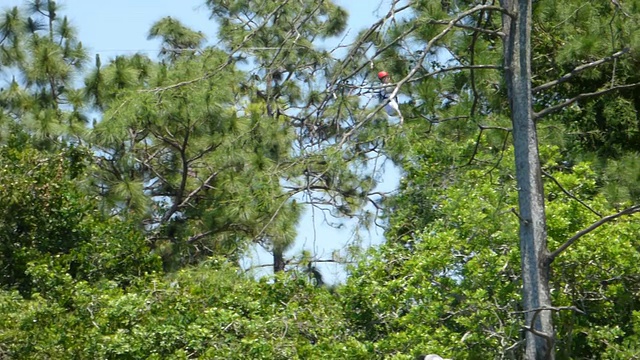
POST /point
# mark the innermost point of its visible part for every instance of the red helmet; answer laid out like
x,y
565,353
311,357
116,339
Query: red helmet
x,y
382,74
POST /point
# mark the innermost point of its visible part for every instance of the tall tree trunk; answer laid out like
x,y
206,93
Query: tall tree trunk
x,y
533,232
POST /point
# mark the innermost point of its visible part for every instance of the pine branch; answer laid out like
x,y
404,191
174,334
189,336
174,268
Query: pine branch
x,y
578,70
356,46
205,151
556,108
199,236
193,193
273,217
628,211
413,71
294,31
229,58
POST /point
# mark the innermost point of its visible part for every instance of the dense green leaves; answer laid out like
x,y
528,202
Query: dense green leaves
x,y
121,240
210,312
50,225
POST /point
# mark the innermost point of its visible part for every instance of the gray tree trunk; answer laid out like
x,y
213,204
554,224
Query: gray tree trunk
x,y
533,232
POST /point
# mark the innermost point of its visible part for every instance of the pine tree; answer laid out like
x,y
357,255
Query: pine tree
x,y
297,83
197,163
42,53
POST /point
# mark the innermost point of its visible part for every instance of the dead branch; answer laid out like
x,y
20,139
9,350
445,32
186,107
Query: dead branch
x,y
566,192
475,149
468,27
551,308
300,262
578,70
531,328
628,211
199,236
556,108
504,147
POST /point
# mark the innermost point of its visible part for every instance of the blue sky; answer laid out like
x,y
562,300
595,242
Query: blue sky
x,y
116,27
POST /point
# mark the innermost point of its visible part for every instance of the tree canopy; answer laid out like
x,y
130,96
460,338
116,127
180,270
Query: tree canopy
x,y
512,233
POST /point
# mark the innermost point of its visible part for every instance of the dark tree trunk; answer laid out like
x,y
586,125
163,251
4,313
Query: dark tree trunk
x,y
533,232
278,260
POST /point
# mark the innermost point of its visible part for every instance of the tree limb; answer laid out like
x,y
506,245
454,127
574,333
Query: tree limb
x,y
570,194
468,27
229,58
578,70
556,108
552,308
455,68
628,211
413,71
300,262
549,338
475,148
531,328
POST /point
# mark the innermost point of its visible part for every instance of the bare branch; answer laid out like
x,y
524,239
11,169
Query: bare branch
x,y
570,194
628,211
552,308
199,236
472,73
578,70
548,337
193,193
570,16
504,147
413,71
489,127
273,217
338,76
300,262
556,108
475,149
229,58
472,28
515,212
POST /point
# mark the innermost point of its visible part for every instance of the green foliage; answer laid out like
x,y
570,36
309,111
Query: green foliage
x,y
448,279
176,38
194,160
43,210
50,222
198,164
42,52
210,312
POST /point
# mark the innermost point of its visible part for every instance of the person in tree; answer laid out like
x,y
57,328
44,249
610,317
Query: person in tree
x,y
391,107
